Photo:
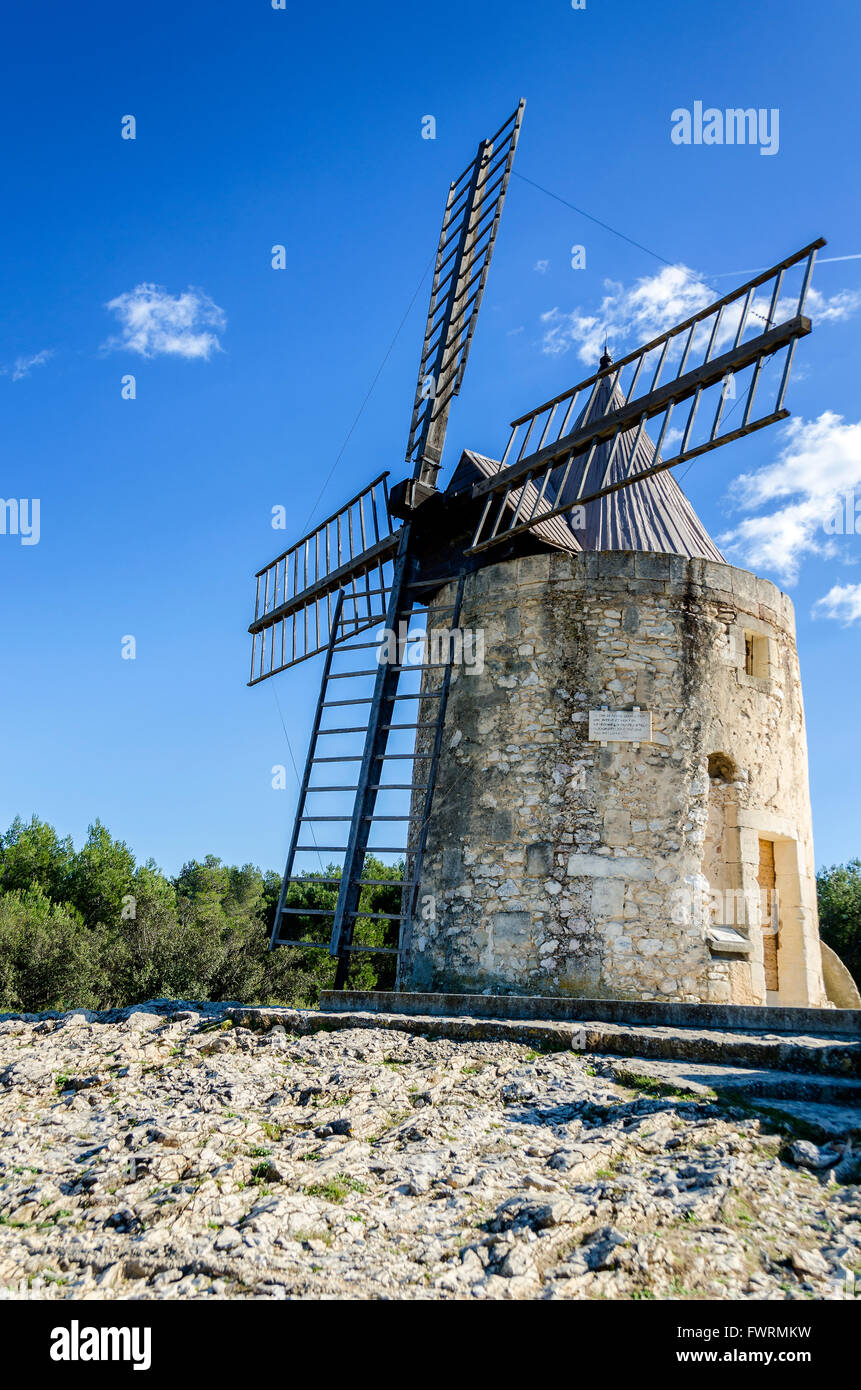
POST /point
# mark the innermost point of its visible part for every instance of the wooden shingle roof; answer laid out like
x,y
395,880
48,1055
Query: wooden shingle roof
x,y
473,467
653,515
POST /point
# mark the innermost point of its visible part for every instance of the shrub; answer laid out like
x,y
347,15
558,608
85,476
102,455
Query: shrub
x,y
839,894
48,958
92,929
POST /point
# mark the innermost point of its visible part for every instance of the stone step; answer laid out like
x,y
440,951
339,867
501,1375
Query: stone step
x,y
829,1105
802,1054
744,1082
562,1009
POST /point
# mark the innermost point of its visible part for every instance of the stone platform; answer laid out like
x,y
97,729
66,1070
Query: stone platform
x,y
707,1037
812,1080
190,1150
843,1023
811,1045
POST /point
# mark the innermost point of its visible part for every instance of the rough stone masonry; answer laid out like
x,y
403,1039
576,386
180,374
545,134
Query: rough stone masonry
x,y
557,865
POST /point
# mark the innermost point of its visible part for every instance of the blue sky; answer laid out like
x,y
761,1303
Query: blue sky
x,y
303,127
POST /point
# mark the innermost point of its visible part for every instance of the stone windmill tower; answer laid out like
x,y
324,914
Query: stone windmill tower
x,y
622,801
579,729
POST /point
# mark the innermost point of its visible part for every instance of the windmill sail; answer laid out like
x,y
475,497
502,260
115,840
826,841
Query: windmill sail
x,y
573,458
294,607
354,549
466,243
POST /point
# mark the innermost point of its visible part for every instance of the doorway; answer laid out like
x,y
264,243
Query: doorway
x,y
769,918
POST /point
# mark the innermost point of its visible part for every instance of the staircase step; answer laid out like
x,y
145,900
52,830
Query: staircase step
x,y
828,1052
800,1100
745,1083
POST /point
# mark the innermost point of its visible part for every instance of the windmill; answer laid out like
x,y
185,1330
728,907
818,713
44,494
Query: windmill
x,y
381,558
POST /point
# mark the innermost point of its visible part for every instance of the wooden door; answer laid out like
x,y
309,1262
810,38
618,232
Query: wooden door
x,y
768,884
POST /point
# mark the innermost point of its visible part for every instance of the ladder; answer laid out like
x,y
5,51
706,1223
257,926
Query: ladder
x,y
389,749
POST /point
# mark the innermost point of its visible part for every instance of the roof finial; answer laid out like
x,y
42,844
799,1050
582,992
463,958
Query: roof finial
x,y
606,359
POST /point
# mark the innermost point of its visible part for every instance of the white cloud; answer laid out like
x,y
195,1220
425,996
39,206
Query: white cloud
x,y
842,602
657,302
821,458
155,323
22,366
542,266
819,463
652,305
840,306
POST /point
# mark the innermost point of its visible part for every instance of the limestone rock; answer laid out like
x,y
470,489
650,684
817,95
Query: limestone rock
x,y
380,1163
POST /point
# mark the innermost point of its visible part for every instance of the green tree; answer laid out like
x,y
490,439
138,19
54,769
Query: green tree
x,y
91,928
839,893
48,958
245,898
141,945
101,876
34,854
221,938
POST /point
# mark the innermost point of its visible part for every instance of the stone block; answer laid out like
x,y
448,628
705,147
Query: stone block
x,y
539,859
617,827
745,588
631,618
717,577
608,897
648,566
452,866
645,688
590,564
512,622
562,566
616,564
605,866
533,569
644,588
511,928
648,946
787,612
681,571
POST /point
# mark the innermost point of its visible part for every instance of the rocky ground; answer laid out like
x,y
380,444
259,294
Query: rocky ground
x,y
168,1153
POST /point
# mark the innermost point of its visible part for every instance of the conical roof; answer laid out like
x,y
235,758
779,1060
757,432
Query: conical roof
x,y
474,468
652,515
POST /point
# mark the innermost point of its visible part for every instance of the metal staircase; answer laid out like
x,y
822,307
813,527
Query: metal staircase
x,y
386,785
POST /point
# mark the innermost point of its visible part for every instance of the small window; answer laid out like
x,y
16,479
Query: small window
x,y
755,655
722,768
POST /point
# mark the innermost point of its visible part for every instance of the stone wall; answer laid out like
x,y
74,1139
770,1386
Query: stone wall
x,y
556,865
